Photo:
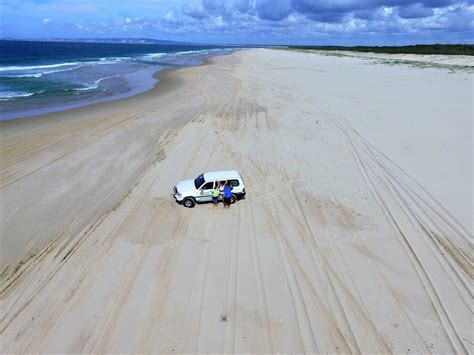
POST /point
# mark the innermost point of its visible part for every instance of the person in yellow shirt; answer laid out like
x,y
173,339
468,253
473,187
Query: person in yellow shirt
x,y
215,196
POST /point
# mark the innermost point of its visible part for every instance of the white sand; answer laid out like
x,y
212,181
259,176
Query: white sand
x,y
335,249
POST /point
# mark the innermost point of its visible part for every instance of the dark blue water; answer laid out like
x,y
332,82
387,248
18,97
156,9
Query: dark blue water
x,y
40,77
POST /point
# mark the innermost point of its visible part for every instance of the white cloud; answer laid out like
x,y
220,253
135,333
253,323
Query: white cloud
x,y
251,21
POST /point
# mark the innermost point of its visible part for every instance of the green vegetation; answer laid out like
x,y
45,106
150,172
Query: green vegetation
x,y
450,49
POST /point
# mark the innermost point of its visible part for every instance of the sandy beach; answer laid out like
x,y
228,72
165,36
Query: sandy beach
x,y
355,235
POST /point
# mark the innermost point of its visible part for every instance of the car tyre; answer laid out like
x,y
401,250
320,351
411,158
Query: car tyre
x,y
233,198
189,203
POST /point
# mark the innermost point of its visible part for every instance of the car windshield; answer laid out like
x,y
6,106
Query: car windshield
x,y
199,181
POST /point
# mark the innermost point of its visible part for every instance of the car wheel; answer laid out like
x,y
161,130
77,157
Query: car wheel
x,y
233,198
189,203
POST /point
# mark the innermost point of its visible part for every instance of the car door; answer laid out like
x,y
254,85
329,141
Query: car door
x,y
205,192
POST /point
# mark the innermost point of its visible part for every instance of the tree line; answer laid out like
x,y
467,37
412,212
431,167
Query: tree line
x,y
449,49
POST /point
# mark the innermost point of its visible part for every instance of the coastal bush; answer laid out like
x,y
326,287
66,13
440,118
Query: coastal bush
x,y
448,49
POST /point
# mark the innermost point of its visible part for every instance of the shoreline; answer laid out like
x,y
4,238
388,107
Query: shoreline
x,y
163,77
108,99
170,81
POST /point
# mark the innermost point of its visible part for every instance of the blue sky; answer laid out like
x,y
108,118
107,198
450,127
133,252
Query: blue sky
x,y
343,22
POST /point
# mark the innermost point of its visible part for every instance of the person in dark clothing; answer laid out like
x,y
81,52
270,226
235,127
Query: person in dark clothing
x,y
227,195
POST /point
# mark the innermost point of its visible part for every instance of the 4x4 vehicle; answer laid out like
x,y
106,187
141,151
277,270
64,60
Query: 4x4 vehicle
x,y
188,192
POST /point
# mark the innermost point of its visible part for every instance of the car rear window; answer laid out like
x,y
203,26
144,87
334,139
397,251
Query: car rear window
x,y
234,182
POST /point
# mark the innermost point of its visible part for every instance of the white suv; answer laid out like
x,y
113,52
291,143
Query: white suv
x,y
188,192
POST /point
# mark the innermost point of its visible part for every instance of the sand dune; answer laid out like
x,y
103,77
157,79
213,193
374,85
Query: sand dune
x,y
424,60
343,244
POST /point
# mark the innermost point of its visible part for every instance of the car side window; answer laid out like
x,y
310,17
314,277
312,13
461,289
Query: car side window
x,y
234,182
208,185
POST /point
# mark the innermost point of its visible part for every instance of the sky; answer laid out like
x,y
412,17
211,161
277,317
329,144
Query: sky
x,y
317,22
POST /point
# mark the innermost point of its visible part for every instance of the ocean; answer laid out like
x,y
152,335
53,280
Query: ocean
x,y
42,77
